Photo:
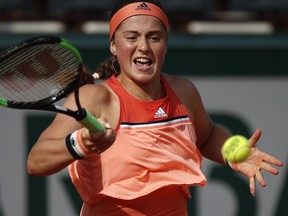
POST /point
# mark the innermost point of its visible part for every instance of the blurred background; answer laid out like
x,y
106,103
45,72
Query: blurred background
x,y
235,51
194,16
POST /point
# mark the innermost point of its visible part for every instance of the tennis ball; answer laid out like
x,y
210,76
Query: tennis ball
x,y
236,149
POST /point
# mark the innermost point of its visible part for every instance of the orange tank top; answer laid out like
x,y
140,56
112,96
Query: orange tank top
x,y
155,147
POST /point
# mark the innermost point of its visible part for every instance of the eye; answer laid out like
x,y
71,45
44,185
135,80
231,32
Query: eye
x,y
131,37
154,38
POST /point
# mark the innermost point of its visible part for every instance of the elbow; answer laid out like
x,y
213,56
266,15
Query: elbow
x,y
38,167
31,168
35,168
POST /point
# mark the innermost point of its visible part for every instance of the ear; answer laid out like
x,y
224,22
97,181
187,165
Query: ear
x,y
113,49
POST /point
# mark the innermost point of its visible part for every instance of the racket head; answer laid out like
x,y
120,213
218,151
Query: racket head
x,y
38,72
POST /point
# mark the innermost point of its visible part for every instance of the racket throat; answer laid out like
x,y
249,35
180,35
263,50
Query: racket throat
x,y
81,114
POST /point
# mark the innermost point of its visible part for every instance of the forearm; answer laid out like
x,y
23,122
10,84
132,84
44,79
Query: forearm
x,y
211,149
48,156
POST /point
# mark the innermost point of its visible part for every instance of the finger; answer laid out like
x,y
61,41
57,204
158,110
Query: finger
x,y
107,125
109,136
260,178
252,186
255,137
273,160
267,167
268,158
99,135
101,148
87,134
104,122
104,142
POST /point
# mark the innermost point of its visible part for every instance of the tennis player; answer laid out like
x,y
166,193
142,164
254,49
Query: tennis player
x,y
157,128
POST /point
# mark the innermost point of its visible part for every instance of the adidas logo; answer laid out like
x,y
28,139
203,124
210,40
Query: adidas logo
x,y
142,6
160,113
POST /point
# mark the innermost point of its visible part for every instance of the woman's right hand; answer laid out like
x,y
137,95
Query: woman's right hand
x,y
98,142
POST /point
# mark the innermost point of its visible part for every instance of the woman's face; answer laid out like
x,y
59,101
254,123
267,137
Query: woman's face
x,y
140,44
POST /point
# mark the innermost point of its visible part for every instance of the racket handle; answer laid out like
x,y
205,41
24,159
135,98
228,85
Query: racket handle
x,y
92,123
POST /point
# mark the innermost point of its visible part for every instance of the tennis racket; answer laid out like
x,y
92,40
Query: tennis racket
x,y
38,72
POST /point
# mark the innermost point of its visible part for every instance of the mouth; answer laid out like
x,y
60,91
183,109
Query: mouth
x,y
142,62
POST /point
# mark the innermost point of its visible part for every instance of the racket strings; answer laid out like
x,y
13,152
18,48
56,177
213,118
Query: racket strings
x,y
37,72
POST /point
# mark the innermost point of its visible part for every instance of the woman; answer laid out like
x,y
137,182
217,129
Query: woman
x,y
157,128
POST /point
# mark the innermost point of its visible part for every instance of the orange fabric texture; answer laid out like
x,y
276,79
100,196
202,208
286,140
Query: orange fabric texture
x,y
153,204
138,8
154,148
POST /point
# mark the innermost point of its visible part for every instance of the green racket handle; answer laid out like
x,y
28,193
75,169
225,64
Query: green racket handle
x,y
92,123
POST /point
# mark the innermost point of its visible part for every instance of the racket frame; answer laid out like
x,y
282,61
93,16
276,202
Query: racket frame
x,y
47,104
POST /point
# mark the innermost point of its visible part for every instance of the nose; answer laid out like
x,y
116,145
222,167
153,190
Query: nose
x,y
143,44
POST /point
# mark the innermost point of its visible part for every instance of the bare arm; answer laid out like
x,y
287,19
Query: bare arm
x,y
49,154
211,137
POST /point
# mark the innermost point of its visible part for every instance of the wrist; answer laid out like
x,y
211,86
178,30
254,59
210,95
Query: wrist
x,y
75,145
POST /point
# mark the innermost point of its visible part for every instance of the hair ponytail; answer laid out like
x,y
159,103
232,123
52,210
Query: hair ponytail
x,y
107,68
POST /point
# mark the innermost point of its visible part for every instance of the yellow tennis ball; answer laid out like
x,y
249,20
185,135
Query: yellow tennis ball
x,y
236,149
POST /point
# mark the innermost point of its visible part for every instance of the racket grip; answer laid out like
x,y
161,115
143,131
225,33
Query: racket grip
x,y
92,123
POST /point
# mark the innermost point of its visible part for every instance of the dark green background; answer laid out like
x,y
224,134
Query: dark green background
x,y
197,55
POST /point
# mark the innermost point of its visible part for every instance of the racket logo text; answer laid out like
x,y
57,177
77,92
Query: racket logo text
x,y
30,71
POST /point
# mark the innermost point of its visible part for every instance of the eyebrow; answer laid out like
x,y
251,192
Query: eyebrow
x,y
149,32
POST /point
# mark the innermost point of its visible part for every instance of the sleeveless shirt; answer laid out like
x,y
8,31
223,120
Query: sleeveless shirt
x,y
155,147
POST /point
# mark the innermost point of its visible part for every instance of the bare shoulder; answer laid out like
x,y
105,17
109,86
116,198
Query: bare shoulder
x,y
95,93
186,91
181,85
101,101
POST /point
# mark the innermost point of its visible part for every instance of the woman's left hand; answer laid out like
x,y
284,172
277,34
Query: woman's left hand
x,y
256,162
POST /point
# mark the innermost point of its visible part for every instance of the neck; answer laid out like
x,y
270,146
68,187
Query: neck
x,y
145,93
